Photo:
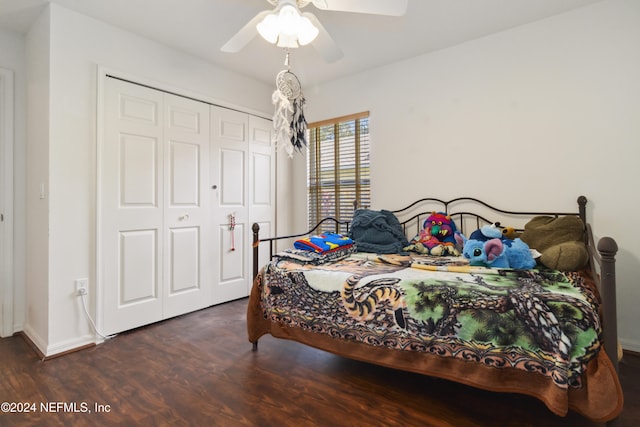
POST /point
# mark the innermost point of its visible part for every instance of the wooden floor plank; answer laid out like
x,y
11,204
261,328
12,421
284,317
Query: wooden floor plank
x,y
199,369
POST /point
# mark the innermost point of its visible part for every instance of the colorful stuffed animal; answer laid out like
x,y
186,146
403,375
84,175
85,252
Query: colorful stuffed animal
x,y
439,236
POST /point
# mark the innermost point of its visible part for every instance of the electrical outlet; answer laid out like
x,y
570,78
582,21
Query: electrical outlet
x,y
82,286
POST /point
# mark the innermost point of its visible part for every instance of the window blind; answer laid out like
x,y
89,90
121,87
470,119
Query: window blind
x,y
338,167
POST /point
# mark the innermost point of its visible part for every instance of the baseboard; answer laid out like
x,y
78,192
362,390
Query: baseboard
x,y
631,353
70,346
34,340
46,352
630,345
17,328
28,340
73,350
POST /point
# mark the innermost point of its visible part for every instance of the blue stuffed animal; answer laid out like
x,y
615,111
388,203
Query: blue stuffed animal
x,y
499,253
519,254
480,254
487,232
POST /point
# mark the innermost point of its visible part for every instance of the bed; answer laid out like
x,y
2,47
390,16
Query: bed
x,y
545,333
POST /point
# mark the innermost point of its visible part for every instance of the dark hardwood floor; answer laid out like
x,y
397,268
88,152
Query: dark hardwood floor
x,y
199,370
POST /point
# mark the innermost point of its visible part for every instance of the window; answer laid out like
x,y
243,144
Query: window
x,y
338,169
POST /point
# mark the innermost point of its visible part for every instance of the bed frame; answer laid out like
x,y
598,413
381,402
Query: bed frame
x,y
470,214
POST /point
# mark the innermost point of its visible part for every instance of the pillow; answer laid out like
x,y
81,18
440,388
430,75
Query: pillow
x,y
559,240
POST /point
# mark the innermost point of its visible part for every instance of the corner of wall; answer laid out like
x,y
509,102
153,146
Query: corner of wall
x,y
37,64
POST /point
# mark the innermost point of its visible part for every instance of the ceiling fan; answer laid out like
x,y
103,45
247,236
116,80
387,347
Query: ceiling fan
x,y
287,27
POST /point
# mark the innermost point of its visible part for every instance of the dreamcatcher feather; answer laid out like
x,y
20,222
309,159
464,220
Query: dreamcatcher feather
x,y
289,122
298,124
281,124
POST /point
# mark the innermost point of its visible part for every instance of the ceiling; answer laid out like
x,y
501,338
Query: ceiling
x,y
201,27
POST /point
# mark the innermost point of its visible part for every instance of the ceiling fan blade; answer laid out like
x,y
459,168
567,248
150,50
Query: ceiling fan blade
x,y
245,35
375,7
323,43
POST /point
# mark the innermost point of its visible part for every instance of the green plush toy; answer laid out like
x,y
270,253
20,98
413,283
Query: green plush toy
x,y
559,240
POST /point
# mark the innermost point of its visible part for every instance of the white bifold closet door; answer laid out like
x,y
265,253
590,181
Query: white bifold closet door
x,y
243,173
155,233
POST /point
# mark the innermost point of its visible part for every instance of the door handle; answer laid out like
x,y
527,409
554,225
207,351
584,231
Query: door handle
x,y
184,217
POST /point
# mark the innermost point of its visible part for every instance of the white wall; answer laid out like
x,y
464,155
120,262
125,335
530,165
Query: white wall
x,y
528,118
78,45
12,57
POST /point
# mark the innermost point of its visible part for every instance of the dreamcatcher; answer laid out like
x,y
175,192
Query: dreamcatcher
x,y
288,120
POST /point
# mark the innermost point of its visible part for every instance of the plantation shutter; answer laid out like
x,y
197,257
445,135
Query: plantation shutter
x,y
338,167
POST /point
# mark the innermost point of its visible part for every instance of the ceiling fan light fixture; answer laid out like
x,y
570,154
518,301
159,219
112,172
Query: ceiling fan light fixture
x,y
287,27
307,32
269,28
286,40
288,18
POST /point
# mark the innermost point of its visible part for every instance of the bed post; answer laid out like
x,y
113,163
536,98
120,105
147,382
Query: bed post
x,y
582,208
256,243
608,249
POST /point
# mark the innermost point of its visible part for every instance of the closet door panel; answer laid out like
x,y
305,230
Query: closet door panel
x,y
131,199
232,260
262,188
185,179
138,278
184,260
232,177
229,176
138,169
187,269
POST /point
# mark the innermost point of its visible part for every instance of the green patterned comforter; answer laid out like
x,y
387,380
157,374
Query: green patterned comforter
x,y
536,320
